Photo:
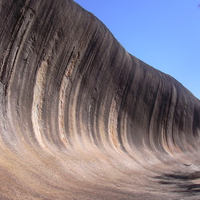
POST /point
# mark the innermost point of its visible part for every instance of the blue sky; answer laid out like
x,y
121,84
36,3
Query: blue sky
x,y
163,33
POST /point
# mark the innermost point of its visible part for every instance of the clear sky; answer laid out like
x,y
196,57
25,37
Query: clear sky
x,y
163,33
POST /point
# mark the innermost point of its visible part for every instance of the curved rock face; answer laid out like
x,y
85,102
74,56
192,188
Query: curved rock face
x,y
83,119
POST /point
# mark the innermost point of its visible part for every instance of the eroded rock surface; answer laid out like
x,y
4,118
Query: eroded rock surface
x,y
80,118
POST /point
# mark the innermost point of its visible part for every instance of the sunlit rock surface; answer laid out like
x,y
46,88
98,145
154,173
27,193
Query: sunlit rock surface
x,y
80,118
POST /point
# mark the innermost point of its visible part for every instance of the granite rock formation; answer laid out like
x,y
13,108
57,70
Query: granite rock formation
x,y
83,119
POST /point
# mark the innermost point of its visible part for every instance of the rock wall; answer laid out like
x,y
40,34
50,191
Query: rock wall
x,y
83,119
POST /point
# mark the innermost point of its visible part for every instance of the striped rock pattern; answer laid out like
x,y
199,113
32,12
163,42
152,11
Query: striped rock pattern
x,y
83,119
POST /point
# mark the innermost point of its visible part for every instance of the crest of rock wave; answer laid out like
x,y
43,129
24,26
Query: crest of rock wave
x,y
80,118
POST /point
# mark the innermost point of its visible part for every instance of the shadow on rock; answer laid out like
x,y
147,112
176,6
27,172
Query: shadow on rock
x,y
187,183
